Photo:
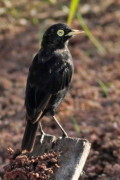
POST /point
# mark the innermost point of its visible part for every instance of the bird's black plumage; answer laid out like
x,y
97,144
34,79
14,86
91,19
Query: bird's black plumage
x,y
48,80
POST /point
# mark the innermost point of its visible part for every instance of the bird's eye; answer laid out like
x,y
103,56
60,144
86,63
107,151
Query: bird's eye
x,y
60,32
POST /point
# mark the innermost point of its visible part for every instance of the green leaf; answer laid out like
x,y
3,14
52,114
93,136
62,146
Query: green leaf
x,y
76,125
94,40
72,11
104,87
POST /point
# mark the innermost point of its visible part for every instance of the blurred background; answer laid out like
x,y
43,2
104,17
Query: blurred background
x,y
91,109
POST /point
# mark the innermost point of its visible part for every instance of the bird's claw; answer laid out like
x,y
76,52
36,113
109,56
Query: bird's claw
x,y
42,137
64,135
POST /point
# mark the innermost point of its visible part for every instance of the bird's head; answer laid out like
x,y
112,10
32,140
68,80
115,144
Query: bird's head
x,y
57,35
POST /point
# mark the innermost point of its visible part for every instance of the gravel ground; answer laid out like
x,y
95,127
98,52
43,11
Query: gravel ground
x,y
90,109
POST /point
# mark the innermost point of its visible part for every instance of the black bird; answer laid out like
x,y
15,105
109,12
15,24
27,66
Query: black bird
x,y
48,80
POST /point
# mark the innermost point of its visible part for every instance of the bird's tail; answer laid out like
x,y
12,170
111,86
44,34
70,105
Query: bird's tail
x,y
29,136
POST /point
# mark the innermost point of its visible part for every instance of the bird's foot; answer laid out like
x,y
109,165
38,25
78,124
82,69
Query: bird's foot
x,y
65,135
25,152
42,137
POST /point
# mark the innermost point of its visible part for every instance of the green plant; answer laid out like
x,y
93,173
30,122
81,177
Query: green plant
x,y
104,87
42,30
72,11
35,20
94,40
76,125
52,1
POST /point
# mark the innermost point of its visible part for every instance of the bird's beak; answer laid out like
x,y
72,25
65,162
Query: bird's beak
x,y
75,32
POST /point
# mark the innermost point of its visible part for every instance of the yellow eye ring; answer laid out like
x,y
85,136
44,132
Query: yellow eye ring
x,y
60,32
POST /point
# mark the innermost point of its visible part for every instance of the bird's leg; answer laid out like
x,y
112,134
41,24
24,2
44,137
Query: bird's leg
x,y
63,131
42,132
41,129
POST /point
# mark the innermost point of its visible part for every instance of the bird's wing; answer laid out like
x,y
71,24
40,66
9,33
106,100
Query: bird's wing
x,y
36,98
35,102
44,80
